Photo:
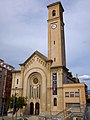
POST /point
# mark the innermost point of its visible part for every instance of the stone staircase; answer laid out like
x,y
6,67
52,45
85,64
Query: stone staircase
x,y
33,118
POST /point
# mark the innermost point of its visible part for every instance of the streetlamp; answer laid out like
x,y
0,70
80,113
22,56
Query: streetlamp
x,y
3,105
14,104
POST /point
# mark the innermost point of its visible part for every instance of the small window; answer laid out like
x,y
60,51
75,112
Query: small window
x,y
54,59
54,13
76,94
55,101
17,81
71,94
54,42
66,94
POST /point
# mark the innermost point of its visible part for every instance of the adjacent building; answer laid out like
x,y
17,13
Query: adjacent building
x,y
46,81
5,85
88,94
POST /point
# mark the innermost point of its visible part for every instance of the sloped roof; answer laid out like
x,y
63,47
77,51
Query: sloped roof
x,y
37,53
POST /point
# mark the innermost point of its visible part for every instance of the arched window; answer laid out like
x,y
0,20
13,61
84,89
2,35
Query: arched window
x,y
35,91
55,101
54,13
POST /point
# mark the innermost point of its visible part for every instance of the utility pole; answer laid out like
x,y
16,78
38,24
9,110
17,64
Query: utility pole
x,y
2,108
3,105
14,104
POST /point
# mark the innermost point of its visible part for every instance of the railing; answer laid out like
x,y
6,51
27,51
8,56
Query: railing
x,y
79,112
85,114
60,116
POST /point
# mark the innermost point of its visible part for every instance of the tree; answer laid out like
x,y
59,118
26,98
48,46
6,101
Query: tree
x,y
16,103
10,102
21,102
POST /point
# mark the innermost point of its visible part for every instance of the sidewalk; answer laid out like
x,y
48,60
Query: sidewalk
x,y
10,118
6,118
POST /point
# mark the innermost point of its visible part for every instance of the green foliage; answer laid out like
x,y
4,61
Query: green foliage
x,y
21,102
10,102
17,103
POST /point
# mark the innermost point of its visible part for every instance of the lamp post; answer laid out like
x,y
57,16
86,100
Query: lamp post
x,y
3,105
2,108
14,104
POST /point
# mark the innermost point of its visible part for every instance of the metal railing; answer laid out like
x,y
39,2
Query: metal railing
x,y
85,113
79,112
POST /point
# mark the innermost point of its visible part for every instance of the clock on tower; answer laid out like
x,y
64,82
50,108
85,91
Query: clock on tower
x,y
56,42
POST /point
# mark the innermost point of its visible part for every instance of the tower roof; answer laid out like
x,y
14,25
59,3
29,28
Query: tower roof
x,y
56,3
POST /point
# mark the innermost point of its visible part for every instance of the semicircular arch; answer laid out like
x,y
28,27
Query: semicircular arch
x,y
42,75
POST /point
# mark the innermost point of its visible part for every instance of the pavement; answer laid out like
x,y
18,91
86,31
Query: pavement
x,y
5,118
10,118
36,117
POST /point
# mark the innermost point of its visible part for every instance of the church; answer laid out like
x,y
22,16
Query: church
x,y
46,81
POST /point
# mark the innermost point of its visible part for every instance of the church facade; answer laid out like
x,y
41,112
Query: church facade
x,y
45,81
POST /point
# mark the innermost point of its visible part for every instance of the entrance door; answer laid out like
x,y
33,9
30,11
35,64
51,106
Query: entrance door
x,y
31,108
37,109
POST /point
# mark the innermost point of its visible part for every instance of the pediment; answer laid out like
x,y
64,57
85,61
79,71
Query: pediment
x,y
36,56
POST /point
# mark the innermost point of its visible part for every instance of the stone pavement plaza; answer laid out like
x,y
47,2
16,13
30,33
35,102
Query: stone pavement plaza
x,y
36,117
30,118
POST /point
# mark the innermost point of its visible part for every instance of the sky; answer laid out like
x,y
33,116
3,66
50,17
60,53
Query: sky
x,y
23,30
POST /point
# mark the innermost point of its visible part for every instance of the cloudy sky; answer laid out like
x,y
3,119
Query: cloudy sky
x,y
23,29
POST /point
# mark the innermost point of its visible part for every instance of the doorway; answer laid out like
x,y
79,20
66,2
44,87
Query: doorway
x,y
37,108
31,108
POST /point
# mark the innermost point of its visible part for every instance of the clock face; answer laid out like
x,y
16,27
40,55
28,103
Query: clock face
x,y
54,26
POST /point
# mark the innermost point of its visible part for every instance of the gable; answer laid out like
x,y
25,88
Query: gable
x,y
35,56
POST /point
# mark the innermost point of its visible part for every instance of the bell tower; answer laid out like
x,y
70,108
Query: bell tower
x,y
56,40
56,52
